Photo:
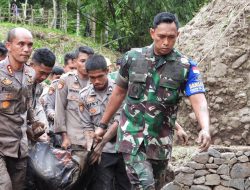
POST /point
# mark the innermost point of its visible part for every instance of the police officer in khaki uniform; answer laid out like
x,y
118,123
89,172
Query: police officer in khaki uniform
x,y
50,97
67,120
93,100
16,81
43,61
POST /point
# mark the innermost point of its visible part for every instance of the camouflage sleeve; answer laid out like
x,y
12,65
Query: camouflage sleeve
x,y
60,106
123,75
85,117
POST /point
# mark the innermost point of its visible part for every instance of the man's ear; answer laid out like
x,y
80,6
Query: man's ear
x,y
152,31
178,33
7,45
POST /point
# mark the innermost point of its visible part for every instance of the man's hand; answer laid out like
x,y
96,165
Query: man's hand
x,y
204,139
51,116
66,141
38,128
182,136
99,132
96,153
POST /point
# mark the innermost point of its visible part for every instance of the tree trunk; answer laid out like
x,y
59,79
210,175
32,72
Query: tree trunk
x,y
53,23
78,18
25,10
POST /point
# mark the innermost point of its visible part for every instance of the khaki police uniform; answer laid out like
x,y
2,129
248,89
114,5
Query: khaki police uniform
x,y
15,109
66,108
91,108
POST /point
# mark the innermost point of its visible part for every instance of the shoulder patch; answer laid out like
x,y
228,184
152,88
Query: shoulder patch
x,y
61,84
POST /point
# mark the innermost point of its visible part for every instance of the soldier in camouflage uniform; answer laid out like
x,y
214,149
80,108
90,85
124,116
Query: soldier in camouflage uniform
x,y
16,82
93,100
152,80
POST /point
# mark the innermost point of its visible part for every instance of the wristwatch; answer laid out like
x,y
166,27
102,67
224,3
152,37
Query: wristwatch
x,y
103,126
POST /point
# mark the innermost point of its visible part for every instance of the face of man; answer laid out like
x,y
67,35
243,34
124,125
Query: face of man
x,y
80,63
164,37
42,72
70,66
20,48
99,78
54,76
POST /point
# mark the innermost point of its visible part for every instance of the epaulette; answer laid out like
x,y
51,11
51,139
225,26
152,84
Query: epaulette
x,y
71,73
54,81
84,89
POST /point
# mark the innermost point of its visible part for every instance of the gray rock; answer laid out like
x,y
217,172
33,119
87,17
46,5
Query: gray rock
x,y
219,70
185,170
212,179
227,155
214,153
172,186
247,153
242,59
247,184
199,181
223,169
195,165
200,187
232,161
212,171
220,187
225,177
210,160
219,161
236,183
243,158
186,179
240,170
239,153
201,158
212,166
199,173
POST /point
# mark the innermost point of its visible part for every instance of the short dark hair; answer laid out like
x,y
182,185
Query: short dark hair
x,y
68,56
96,62
44,56
84,49
57,70
3,49
165,17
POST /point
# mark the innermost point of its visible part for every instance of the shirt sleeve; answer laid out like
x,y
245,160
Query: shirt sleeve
x,y
60,106
123,74
194,83
50,100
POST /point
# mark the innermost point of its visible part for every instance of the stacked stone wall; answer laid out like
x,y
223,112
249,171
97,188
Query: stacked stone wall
x,y
214,170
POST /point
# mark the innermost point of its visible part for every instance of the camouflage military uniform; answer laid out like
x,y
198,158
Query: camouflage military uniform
x,y
15,107
91,107
113,75
155,84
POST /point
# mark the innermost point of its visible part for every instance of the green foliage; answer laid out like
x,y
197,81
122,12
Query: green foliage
x,y
120,24
57,41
